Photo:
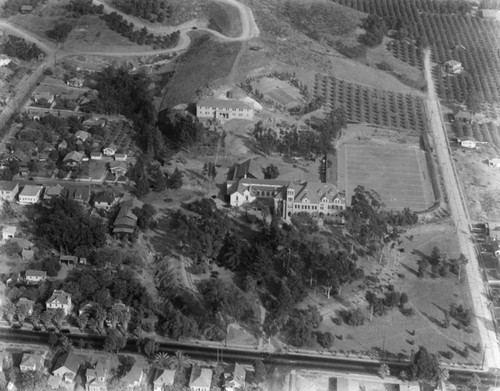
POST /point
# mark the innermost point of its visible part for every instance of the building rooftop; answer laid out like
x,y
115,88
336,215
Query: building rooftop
x,y
8,185
223,104
36,273
60,296
31,191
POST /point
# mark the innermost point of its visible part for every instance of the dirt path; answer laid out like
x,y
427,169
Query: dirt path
x,y
460,217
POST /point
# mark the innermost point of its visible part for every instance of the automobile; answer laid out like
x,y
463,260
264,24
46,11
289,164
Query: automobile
x,y
194,28
66,331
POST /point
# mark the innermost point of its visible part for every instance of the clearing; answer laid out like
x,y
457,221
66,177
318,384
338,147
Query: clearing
x,y
397,172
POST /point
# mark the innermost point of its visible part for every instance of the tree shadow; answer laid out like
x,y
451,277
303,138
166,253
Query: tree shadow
x,y
421,254
439,308
433,319
410,269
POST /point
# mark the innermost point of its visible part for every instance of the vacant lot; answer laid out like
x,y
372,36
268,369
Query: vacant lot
x,y
397,172
428,296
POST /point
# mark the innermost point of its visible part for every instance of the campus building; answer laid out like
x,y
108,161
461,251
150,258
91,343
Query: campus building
x,y
223,109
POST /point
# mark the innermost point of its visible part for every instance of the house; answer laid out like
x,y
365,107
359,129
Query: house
x,y
134,377
8,190
62,145
118,168
234,378
246,169
75,82
31,362
453,66
53,192
30,195
467,143
28,303
121,157
59,299
96,376
491,14
9,232
164,379
28,255
126,221
68,259
201,379
73,158
91,122
82,135
67,365
80,195
43,97
4,60
95,155
223,109
110,150
495,162
104,200
319,199
22,243
247,190
35,276
26,9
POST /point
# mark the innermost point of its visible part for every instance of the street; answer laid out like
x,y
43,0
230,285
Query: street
x,y
460,216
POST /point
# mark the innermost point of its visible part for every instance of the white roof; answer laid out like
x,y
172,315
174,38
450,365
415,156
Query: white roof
x,y
31,191
10,229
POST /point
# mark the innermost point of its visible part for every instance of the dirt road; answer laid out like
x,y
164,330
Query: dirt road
x,y
460,216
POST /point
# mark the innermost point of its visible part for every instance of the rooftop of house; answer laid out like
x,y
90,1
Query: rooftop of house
x,y
9,230
237,373
82,135
60,296
245,168
314,192
117,164
69,361
134,374
32,359
36,273
31,191
105,197
53,191
8,185
165,378
25,301
73,155
200,377
223,104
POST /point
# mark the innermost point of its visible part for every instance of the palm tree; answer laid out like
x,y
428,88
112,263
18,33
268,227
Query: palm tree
x,y
179,360
82,320
100,316
161,361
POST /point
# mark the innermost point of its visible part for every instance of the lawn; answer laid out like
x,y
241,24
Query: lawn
x,y
428,297
397,172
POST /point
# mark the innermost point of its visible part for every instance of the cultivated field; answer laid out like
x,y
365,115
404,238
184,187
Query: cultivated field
x,y
488,132
280,91
397,172
369,105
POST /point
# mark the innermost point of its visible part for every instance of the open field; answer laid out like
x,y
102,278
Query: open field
x,y
397,172
280,91
428,296
369,105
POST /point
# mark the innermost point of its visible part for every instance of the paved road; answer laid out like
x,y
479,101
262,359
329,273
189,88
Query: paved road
x,y
460,216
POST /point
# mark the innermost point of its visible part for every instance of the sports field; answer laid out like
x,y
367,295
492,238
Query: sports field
x,y
397,172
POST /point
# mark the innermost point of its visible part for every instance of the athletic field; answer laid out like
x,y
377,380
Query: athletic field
x,y
397,172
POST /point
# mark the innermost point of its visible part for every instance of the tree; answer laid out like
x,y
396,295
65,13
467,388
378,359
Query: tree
x,y
473,102
8,210
260,370
325,339
114,341
161,361
209,170
175,180
424,365
82,320
31,380
443,375
149,346
179,361
9,310
461,261
474,382
60,31
46,318
58,317
271,172
100,315
403,299
22,312
383,371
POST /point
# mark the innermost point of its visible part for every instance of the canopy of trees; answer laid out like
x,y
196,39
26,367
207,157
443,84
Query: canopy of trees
x,y
152,10
60,31
19,48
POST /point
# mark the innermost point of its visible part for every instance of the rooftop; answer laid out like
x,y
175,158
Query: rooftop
x,y
8,185
223,104
31,191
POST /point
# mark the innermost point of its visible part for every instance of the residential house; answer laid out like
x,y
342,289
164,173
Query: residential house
x,y
453,67
463,116
59,299
35,276
68,259
164,379
4,60
234,378
30,195
110,150
43,97
491,14
126,221
22,243
31,362
495,162
246,169
134,377
9,232
28,255
80,195
223,109
468,143
82,135
95,155
201,379
91,122
104,200
8,190
73,158
319,199
28,303
67,365
53,192
62,145
26,9
75,82
96,377
118,168
247,190
121,157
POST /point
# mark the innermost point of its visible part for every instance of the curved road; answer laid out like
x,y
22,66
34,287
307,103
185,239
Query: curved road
x,y
460,215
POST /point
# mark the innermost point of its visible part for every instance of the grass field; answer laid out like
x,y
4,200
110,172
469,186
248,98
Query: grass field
x,y
397,172
428,296
280,91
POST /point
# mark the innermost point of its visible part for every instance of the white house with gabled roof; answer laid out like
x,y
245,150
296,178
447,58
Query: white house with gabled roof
x,y
59,299
223,109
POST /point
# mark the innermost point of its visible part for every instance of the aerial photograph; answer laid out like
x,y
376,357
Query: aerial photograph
x,y
249,195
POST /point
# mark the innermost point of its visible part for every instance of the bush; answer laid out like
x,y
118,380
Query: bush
x,y
325,339
408,312
353,317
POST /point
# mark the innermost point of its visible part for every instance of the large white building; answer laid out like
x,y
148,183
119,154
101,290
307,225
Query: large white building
x,y
30,195
223,109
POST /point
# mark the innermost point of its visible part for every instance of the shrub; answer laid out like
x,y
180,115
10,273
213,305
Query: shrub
x,y
325,339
